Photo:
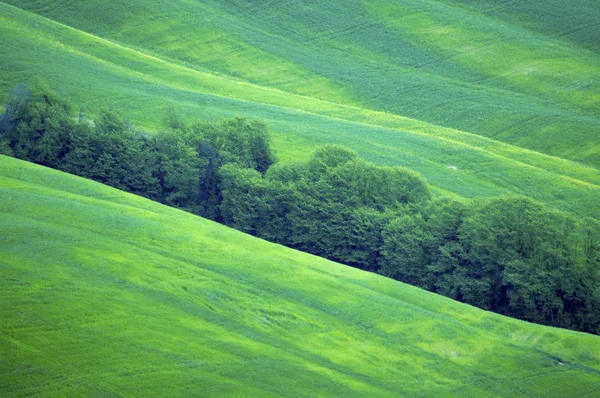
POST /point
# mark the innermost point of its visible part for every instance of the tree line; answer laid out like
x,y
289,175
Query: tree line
x,y
508,254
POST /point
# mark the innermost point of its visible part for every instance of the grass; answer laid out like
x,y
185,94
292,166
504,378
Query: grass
x,y
106,293
200,65
523,73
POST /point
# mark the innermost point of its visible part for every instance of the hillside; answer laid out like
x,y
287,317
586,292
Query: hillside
x,y
106,293
521,73
225,63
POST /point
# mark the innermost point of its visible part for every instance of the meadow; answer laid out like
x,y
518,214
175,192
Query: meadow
x,y
106,293
520,73
99,56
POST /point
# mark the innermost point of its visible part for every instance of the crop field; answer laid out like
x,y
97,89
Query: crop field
x,y
381,82
518,72
109,294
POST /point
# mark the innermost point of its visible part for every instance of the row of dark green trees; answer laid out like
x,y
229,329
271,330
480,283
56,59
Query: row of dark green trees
x,y
510,255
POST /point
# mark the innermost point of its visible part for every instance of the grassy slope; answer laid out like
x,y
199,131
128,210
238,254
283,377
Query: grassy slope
x,y
106,293
519,72
96,72
574,22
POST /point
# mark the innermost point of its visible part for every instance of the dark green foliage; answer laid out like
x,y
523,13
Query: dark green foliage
x,y
179,169
15,105
245,196
288,173
179,166
338,198
407,250
335,205
210,193
241,142
509,244
523,260
5,148
259,147
329,157
37,125
145,169
364,238
591,245
173,119
444,219
363,184
510,254
234,141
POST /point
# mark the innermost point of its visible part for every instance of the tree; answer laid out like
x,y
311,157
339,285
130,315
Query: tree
x,y
210,190
525,257
37,125
360,183
143,166
364,238
285,198
259,147
16,105
5,148
244,205
444,218
173,119
329,157
81,159
179,170
407,250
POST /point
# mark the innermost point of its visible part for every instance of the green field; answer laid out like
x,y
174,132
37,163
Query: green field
x,y
109,294
522,73
214,60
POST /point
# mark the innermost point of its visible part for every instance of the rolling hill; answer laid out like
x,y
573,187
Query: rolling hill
x,y
383,80
109,294
521,73
106,293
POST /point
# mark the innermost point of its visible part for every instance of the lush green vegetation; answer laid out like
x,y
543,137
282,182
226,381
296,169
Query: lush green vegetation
x,y
178,166
106,293
509,255
497,106
104,69
477,66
